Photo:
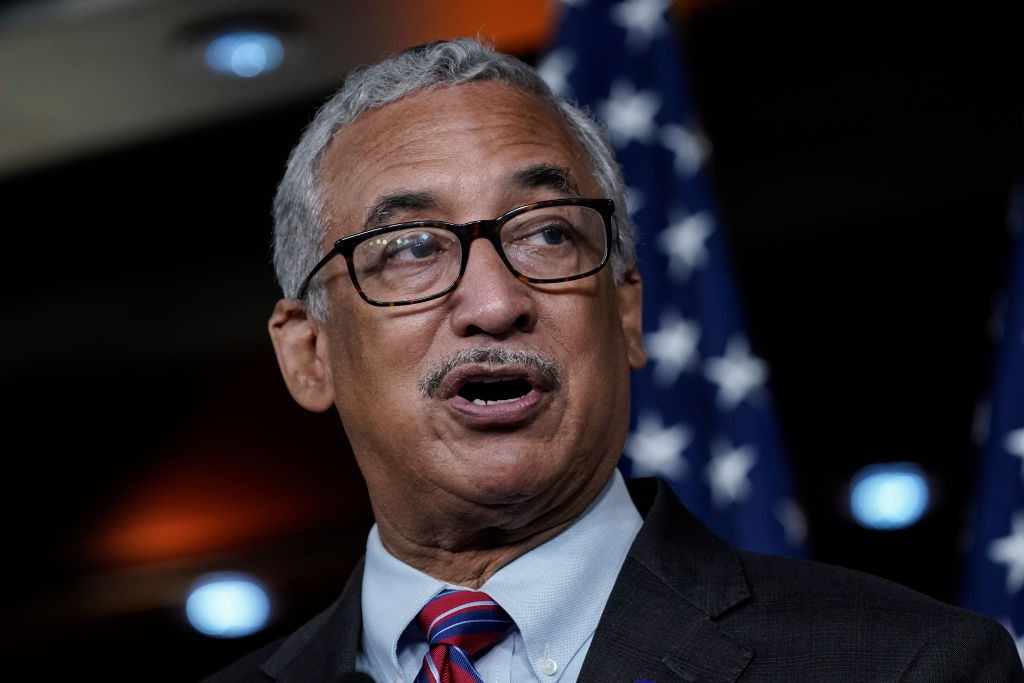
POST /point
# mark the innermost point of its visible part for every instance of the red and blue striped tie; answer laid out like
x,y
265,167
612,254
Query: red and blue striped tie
x,y
459,625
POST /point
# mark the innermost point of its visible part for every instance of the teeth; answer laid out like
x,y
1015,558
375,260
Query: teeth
x,y
482,402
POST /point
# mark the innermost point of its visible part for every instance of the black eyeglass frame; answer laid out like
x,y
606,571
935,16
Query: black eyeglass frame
x,y
489,229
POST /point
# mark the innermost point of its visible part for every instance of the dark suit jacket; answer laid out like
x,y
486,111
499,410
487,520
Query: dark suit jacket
x,y
688,607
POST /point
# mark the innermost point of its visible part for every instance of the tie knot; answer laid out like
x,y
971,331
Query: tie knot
x,y
468,620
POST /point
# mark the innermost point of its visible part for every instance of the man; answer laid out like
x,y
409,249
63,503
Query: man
x,y
484,387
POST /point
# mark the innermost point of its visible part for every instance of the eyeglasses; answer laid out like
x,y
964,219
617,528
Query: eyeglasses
x,y
406,263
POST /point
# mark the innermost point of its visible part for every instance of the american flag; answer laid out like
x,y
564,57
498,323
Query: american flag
x,y
994,572
702,415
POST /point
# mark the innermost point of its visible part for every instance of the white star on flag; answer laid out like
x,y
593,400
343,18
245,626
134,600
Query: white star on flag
x,y
643,20
629,113
727,473
738,373
555,68
684,243
690,150
658,450
672,347
1009,551
1014,444
793,520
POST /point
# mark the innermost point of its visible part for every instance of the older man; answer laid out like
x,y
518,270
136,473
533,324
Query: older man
x,y
459,284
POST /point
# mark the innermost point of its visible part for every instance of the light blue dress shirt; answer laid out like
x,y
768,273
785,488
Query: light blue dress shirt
x,y
555,593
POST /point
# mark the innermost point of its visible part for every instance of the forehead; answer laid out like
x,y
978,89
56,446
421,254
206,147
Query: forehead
x,y
465,144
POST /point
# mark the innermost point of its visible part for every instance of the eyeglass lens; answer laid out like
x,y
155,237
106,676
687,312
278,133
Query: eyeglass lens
x,y
547,243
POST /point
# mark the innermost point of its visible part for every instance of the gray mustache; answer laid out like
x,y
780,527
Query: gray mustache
x,y
491,356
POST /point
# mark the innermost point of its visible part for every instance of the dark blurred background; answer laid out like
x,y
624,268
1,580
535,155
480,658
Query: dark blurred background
x,y
862,161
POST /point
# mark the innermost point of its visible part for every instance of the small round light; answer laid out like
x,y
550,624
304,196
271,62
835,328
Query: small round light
x,y
244,54
227,605
889,496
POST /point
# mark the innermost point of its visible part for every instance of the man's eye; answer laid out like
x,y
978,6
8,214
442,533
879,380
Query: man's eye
x,y
550,235
413,246
555,234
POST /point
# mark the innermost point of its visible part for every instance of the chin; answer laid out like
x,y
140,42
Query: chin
x,y
509,484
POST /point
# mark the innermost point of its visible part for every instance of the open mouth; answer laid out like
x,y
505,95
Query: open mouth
x,y
489,392
492,387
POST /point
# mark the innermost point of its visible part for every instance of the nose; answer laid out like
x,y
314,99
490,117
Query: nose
x,y
490,300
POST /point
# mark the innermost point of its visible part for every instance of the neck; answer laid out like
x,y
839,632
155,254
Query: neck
x,y
468,564
467,549
464,542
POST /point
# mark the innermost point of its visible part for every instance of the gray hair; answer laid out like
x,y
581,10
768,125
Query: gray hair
x,y
300,225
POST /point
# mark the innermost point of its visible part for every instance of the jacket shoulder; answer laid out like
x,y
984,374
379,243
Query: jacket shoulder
x,y
798,619
872,623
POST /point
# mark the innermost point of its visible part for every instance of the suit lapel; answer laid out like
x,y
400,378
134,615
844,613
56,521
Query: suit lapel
x,y
659,623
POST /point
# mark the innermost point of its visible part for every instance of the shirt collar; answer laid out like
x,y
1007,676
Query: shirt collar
x,y
555,592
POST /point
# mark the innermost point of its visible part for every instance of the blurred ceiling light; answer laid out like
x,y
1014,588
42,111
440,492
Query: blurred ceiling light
x,y
227,605
244,54
889,496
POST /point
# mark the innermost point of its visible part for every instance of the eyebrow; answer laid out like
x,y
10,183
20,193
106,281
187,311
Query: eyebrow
x,y
535,176
546,176
389,205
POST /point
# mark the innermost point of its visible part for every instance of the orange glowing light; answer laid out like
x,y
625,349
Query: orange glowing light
x,y
208,501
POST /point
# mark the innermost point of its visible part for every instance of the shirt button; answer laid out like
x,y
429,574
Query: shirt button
x,y
548,666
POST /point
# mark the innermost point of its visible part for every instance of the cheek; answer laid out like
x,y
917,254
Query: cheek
x,y
377,361
591,327
371,390
592,346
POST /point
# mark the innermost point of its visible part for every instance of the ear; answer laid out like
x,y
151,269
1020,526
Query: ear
x,y
295,336
631,310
